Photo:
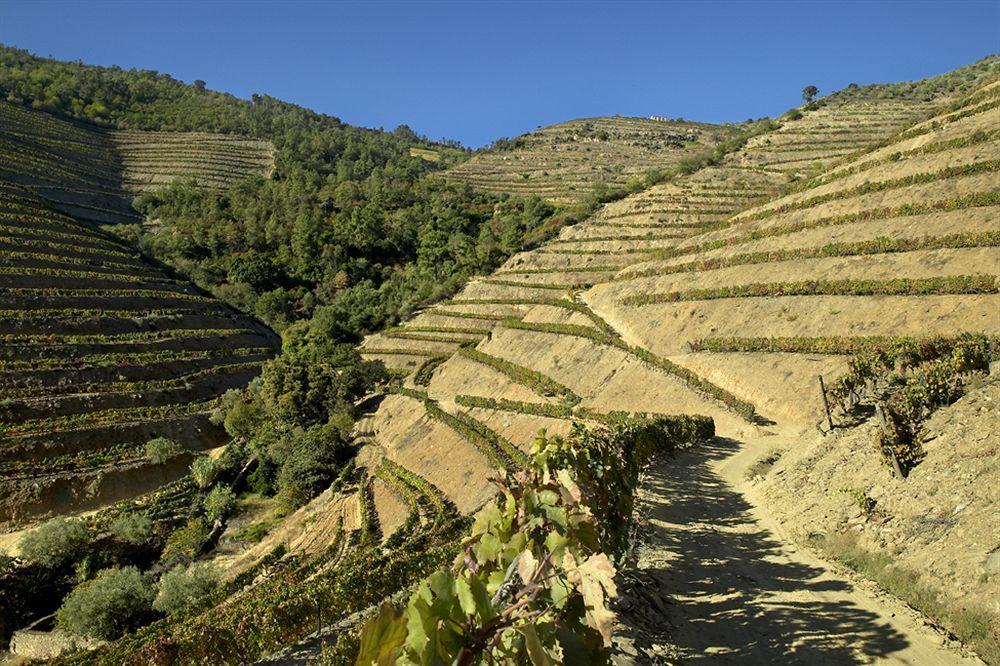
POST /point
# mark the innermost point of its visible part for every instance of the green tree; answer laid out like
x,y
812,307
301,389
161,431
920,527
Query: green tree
x,y
182,587
219,503
161,449
115,602
133,528
809,92
56,542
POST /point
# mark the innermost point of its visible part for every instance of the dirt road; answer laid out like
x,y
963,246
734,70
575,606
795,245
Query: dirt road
x,y
719,584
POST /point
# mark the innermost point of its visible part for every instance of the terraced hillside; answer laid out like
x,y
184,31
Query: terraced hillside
x,y
900,241
689,298
102,351
820,137
91,173
566,162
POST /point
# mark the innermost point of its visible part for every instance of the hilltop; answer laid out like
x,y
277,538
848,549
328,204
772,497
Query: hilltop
x,y
571,161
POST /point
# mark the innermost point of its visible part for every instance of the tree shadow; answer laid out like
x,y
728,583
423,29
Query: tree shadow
x,y
732,593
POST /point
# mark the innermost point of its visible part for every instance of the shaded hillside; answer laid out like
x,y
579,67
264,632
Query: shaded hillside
x,y
92,173
101,353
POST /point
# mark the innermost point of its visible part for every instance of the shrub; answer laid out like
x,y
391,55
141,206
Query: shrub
x,y
264,479
218,503
56,542
204,470
186,542
181,587
161,449
132,528
310,464
115,602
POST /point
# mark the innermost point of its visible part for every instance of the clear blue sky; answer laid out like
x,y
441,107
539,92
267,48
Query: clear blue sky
x,y
475,71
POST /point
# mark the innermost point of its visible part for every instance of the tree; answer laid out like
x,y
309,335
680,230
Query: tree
x,y
114,602
809,92
181,587
161,449
132,528
203,471
219,502
185,542
56,542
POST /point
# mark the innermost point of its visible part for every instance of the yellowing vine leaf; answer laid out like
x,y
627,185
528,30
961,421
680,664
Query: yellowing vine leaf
x,y
595,578
382,638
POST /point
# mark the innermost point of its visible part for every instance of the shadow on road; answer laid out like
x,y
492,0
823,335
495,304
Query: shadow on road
x,y
734,595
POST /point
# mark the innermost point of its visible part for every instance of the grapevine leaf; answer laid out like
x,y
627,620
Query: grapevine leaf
x,y
526,566
484,606
382,637
537,652
465,598
595,577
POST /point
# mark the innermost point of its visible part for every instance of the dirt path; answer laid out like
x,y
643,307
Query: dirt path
x,y
719,584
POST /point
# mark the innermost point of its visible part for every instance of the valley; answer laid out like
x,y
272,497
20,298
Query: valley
x,y
254,341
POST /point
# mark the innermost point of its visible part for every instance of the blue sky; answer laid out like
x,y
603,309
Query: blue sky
x,y
475,71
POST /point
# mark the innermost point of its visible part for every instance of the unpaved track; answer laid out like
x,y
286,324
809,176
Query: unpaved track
x,y
732,589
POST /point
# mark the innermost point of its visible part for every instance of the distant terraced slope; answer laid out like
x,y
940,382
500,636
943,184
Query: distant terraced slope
x,y
101,351
901,241
150,160
565,162
838,128
91,173
564,332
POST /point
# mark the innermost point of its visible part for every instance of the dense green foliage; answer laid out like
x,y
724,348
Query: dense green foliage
x,y
56,542
182,587
116,601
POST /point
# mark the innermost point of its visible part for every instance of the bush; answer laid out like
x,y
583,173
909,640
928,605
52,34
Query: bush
x,y
115,602
264,479
203,471
181,587
185,543
219,503
310,464
59,541
161,449
132,528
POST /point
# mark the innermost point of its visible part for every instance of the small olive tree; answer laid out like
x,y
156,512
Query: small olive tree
x,y
809,92
182,587
161,449
115,602
56,542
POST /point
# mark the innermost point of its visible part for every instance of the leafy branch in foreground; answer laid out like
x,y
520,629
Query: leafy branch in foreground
x,y
534,578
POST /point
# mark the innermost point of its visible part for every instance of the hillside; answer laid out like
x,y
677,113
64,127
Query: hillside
x,y
92,173
103,350
568,161
755,259
713,306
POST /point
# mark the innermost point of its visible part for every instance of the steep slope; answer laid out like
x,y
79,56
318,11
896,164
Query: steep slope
x,y
900,241
534,344
549,339
102,350
91,173
567,161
